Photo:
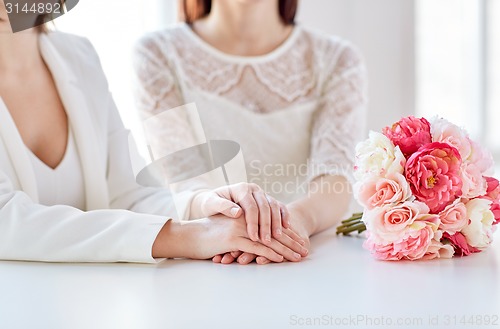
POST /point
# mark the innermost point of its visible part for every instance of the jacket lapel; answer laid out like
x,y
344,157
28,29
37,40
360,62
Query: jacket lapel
x,y
76,106
17,153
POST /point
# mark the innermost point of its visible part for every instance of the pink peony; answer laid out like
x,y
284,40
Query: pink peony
x,y
493,194
390,223
459,243
481,158
434,175
409,134
419,239
377,192
453,217
380,250
479,229
443,131
377,157
493,189
437,249
473,182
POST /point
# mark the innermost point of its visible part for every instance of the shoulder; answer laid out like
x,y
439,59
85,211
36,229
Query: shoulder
x,y
161,42
75,52
71,46
332,50
78,56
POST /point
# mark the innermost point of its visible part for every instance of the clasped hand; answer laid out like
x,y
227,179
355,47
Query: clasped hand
x,y
267,223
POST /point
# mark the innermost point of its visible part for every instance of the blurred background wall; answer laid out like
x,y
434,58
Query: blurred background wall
x,y
424,57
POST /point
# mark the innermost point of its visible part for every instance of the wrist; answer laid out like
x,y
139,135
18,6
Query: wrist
x,y
177,239
300,215
196,209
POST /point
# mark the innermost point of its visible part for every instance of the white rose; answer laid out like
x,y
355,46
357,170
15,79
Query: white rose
x,y
480,228
377,157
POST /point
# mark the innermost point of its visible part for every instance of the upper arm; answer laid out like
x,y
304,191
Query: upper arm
x,y
156,84
339,122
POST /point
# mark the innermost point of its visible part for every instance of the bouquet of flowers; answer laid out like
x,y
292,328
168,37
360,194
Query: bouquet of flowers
x,y
427,192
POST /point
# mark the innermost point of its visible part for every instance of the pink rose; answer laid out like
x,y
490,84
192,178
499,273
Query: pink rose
x,y
434,175
409,134
414,245
453,217
459,243
377,192
390,223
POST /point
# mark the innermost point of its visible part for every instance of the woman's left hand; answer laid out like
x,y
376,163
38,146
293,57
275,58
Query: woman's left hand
x,y
266,217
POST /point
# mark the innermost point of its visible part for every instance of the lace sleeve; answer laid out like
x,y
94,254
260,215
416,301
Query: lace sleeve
x,y
169,125
156,87
339,123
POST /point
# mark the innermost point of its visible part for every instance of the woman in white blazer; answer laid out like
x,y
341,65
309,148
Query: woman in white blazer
x,y
67,189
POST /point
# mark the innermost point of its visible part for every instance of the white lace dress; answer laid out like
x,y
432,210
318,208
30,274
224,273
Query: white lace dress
x,y
296,112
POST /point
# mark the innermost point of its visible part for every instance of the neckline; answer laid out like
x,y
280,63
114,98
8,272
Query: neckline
x,y
69,145
276,52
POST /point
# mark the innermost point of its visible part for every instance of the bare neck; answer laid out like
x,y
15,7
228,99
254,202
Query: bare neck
x,y
19,52
243,28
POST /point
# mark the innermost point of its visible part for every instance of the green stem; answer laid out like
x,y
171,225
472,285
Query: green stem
x,y
353,218
354,223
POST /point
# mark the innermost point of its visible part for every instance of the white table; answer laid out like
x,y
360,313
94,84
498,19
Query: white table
x,y
339,282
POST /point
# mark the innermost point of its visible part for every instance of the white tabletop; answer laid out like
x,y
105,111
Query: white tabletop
x,y
338,286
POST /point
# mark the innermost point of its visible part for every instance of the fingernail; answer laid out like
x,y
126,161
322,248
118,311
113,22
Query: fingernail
x,y
305,251
297,256
268,238
234,211
302,242
244,258
278,232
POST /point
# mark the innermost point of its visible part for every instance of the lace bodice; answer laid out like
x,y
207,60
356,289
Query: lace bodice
x,y
301,104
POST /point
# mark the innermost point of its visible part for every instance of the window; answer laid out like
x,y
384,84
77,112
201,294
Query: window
x,y
458,65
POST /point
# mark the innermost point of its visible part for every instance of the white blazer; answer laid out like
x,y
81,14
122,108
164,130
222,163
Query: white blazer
x,y
30,231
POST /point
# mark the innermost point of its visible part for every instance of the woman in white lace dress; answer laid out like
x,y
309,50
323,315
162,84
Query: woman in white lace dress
x,y
293,98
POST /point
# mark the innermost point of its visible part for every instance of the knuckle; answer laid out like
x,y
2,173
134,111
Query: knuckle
x,y
252,208
254,186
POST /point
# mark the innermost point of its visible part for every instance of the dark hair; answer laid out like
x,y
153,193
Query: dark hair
x,y
196,9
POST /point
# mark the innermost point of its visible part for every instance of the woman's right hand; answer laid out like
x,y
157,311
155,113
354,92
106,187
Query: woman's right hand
x,y
207,237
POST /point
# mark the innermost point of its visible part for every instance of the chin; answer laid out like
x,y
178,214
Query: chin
x,y
249,2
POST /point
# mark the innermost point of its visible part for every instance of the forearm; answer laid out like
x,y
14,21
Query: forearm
x,y
327,202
